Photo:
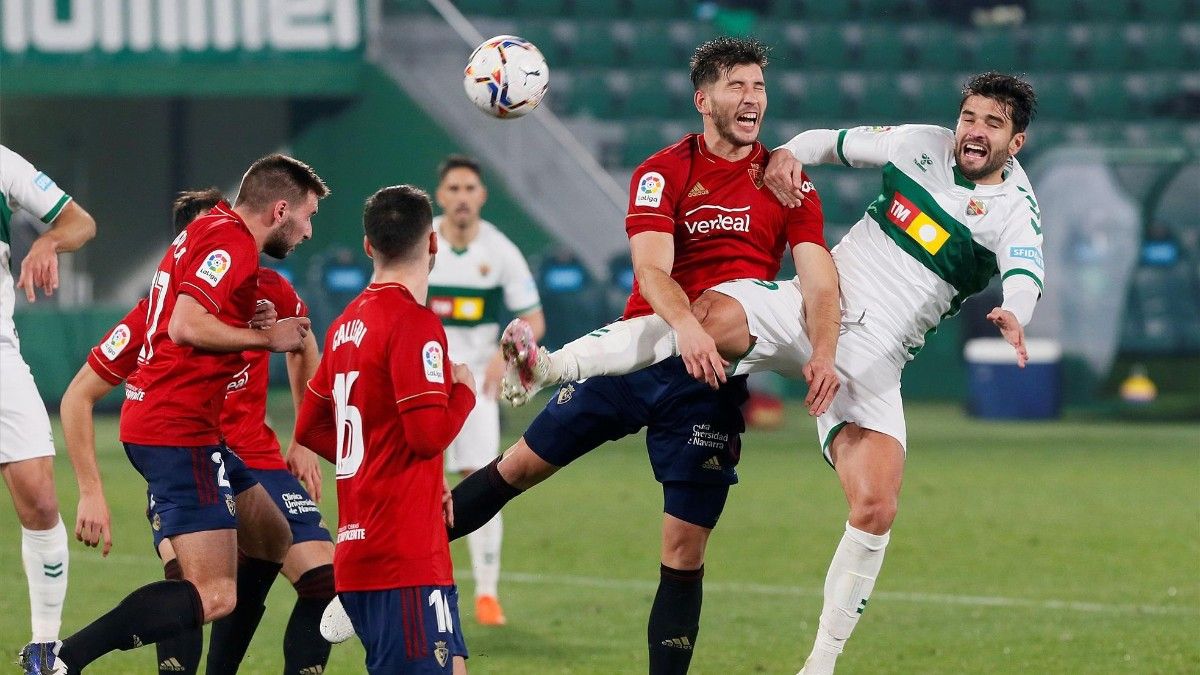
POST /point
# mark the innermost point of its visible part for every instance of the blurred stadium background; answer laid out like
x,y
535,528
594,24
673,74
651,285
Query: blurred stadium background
x,y
125,102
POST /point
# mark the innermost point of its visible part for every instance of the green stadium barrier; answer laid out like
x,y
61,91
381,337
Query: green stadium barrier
x,y
55,343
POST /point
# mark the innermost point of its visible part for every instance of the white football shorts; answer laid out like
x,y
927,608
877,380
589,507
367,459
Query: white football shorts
x,y
479,441
24,425
870,371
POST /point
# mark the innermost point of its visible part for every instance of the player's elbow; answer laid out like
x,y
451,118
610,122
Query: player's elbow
x,y
180,330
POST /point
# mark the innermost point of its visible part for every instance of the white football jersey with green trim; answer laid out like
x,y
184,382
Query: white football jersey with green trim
x,y
932,237
470,288
25,188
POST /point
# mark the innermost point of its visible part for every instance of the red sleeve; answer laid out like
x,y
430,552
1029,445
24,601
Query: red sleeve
x,y
420,364
428,430
315,423
115,358
274,287
654,189
316,426
215,267
806,223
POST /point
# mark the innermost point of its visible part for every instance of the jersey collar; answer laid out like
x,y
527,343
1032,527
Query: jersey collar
x,y
702,148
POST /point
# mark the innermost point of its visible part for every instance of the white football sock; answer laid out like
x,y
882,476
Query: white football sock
x,y
620,347
484,545
44,553
848,584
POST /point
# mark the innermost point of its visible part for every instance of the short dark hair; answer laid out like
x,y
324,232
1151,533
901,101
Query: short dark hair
x,y
458,162
396,220
276,177
1012,92
189,204
719,55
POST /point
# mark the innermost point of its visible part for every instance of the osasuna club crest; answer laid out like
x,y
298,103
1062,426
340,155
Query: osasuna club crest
x,y
441,652
756,175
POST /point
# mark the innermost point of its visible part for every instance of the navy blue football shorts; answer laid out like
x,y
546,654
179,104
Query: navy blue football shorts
x,y
301,511
693,433
407,631
190,489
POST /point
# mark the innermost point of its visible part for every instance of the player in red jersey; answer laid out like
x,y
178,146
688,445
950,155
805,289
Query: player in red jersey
x,y
384,405
699,215
201,300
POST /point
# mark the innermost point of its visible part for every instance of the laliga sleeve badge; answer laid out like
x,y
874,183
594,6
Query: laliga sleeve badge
x,y
650,190
431,357
214,267
116,342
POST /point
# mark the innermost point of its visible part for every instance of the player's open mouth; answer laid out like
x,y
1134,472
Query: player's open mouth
x,y
747,121
974,150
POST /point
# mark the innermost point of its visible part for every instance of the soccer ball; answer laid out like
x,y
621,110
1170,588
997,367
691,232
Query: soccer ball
x,y
506,76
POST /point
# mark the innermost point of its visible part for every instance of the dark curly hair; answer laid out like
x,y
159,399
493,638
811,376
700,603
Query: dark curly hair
x,y
720,55
1014,93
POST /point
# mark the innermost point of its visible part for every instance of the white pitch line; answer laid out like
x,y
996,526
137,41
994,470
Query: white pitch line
x,y
797,591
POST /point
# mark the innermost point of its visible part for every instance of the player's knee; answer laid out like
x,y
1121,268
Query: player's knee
x,y
522,468
874,513
41,511
723,318
218,597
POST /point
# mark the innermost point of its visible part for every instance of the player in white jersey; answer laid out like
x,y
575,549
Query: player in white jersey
x,y
956,209
478,274
26,446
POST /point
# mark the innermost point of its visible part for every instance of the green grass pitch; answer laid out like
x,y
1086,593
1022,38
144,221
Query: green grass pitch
x,y
1065,547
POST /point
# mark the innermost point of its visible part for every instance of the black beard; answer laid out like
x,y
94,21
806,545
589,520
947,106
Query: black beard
x,y
724,127
998,160
277,247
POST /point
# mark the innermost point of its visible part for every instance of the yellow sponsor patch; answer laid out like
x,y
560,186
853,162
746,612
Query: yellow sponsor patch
x,y
925,230
468,309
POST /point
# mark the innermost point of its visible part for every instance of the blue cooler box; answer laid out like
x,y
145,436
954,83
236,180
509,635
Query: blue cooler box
x,y
997,388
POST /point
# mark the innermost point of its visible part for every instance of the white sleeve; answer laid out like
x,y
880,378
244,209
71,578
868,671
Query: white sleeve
x,y
1020,297
860,147
26,188
520,290
1022,268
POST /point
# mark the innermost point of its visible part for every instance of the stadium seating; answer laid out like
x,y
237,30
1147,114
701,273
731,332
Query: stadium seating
x,y
1106,71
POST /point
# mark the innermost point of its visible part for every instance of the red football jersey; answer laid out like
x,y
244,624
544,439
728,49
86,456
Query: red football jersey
x,y
726,224
244,417
174,396
385,355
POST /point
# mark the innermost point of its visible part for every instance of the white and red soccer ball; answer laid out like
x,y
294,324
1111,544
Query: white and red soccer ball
x,y
506,77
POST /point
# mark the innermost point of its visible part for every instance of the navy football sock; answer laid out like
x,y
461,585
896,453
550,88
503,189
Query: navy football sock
x,y
151,613
478,498
179,653
674,620
231,635
304,650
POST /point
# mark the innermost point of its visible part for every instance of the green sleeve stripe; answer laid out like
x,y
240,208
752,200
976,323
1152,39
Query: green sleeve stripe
x,y
841,142
53,213
526,310
1031,275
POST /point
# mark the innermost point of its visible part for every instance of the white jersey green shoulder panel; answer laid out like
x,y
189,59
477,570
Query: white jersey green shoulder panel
x,y
932,237
471,288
